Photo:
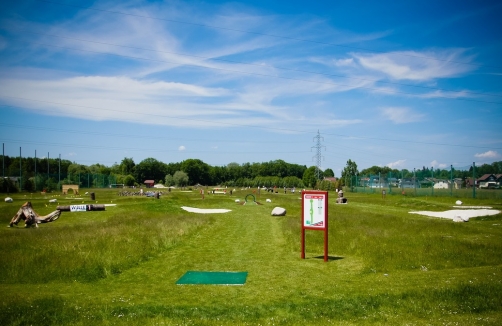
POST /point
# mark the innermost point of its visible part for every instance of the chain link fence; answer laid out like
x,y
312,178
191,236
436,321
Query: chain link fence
x,y
459,184
54,182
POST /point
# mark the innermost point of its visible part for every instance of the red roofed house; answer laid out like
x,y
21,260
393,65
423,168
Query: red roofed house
x,y
149,183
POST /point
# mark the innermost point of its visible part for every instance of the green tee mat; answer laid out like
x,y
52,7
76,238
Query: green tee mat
x,y
219,278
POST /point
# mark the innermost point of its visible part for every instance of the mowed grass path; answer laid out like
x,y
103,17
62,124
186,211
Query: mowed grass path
x,y
281,288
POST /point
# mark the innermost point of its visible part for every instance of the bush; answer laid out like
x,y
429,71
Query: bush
x,y
7,186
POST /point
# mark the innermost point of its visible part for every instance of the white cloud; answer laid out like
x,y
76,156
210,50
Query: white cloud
x,y
446,94
397,165
400,115
437,165
418,66
488,154
344,62
181,148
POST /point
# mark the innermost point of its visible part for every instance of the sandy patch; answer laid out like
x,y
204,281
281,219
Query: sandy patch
x,y
463,213
477,207
205,211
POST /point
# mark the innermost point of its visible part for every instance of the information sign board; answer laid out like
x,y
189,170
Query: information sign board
x,y
314,213
315,216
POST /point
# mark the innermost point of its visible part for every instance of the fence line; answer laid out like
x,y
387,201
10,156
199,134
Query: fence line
x,y
462,184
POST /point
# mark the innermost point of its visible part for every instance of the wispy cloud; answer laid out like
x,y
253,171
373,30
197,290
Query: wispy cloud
x,y
401,115
416,66
181,148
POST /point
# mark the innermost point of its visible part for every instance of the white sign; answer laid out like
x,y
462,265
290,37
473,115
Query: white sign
x,y
78,208
314,210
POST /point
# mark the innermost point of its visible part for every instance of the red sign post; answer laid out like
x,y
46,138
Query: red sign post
x,y
315,216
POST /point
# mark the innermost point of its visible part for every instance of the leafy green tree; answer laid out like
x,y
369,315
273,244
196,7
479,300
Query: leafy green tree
x,y
76,173
180,178
309,177
127,166
328,173
292,181
217,175
129,180
234,171
7,186
149,169
348,171
169,180
497,167
197,171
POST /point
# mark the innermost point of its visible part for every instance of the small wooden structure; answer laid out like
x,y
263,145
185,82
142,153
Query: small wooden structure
x,y
31,218
149,183
68,187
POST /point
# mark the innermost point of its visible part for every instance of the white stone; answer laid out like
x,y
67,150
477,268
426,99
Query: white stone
x,y
53,201
237,200
9,200
279,211
269,200
458,202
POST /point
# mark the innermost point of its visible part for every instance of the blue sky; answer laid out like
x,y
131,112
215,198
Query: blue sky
x,y
401,84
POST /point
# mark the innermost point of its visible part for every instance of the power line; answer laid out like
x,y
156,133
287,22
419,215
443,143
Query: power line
x,y
249,126
17,141
87,132
261,66
352,87
262,34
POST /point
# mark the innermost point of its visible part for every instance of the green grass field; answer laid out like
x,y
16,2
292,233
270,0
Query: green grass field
x,y
120,266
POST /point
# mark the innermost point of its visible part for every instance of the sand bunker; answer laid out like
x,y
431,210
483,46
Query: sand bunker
x,y
205,211
477,207
462,213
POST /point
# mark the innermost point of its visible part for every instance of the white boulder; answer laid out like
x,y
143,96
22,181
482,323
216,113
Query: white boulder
x,y
237,200
458,202
278,211
268,200
53,200
9,200
458,219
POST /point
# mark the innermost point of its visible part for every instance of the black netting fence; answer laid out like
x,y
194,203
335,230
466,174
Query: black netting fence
x,y
454,183
54,182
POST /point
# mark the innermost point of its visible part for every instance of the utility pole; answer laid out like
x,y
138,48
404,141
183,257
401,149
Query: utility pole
x,y
473,179
20,171
59,181
318,156
35,170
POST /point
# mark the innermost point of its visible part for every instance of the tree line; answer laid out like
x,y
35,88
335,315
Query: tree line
x,y
351,170
38,174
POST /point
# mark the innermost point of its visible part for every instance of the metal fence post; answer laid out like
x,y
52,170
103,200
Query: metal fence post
x,y
473,179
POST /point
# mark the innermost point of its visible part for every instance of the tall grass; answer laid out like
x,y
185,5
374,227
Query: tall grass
x,y
387,240
93,246
120,266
